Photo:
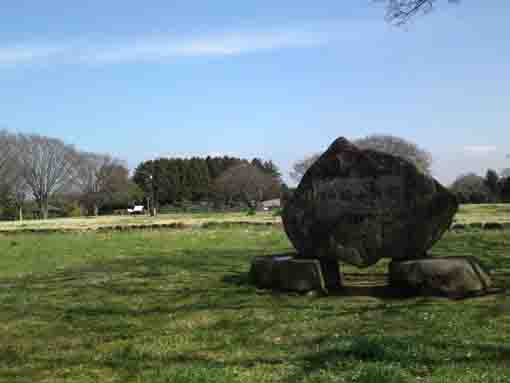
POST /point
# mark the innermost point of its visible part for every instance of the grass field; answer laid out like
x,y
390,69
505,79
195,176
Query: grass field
x,y
467,214
483,213
175,306
91,223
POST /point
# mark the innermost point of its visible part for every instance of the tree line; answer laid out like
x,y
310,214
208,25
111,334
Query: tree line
x,y
47,174
222,180
493,188
38,170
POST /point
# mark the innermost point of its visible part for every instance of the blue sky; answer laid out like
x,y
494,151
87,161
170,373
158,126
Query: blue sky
x,y
279,81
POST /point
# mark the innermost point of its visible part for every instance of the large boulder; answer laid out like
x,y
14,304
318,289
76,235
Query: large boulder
x,y
359,206
455,277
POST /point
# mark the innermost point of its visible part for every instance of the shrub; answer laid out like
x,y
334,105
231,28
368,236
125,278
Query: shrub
x,y
277,212
493,226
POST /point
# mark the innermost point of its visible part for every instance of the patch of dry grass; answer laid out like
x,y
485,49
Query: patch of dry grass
x,y
94,223
483,213
467,214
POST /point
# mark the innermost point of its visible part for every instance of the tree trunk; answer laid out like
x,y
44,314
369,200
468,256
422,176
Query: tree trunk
x,y
45,210
96,210
21,213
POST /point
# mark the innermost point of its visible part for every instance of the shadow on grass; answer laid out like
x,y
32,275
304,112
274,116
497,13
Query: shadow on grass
x,y
238,279
373,285
109,311
406,353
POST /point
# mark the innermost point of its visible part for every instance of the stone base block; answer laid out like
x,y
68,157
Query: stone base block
x,y
265,271
455,277
292,274
331,273
301,275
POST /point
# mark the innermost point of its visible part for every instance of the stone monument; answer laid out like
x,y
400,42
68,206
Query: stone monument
x,y
358,206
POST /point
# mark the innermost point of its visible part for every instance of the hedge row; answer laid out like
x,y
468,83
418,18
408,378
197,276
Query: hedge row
x,y
102,229
481,226
218,225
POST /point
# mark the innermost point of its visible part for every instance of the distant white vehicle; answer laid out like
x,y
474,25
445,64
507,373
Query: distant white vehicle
x,y
137,209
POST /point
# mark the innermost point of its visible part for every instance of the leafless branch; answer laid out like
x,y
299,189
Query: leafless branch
x,y
246,183
8,153
400,12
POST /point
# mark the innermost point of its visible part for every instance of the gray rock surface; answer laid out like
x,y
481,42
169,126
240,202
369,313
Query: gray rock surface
x,y
265,272
358,206
288,273
455,277
301,275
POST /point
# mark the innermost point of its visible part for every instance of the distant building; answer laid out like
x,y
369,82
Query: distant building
x,y
271,204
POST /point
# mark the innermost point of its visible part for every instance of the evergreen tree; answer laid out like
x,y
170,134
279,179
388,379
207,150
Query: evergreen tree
x,y
491,181
271,169
180,179
504,189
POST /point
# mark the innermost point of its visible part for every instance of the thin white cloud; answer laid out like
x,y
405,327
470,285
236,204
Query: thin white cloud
x,y
222,45
26,53
153,48
480,149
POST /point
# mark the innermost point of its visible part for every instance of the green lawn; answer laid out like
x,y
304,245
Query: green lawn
x,y
174,306
483,213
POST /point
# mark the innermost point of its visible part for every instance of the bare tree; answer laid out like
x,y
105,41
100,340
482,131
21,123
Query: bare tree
x,y
98,178
399,147
399,12
300,167
48,166
471,188
505,173
246,183
396,146
7,152
12,184
19,191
